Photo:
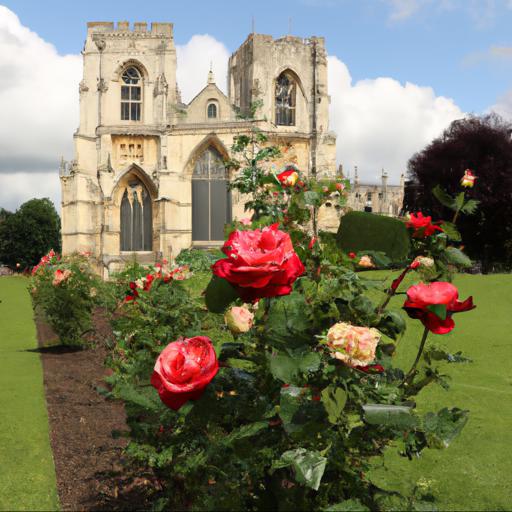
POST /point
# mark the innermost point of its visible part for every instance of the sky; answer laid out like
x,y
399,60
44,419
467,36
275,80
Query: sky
x,y
400,71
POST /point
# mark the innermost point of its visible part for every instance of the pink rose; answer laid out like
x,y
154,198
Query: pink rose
x,y
60,276
239,319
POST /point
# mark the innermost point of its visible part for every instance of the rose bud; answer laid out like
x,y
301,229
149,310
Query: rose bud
x,y
422,261
288,178
340,187
353,345
366,262
239,319
183,370
468,180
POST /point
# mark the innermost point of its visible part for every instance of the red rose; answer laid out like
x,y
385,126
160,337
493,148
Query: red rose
x,y
422,226
260,263
351,255
434,304
183,370
288,178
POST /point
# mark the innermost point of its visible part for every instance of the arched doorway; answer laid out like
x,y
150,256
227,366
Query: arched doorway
x,y
211,200
136,217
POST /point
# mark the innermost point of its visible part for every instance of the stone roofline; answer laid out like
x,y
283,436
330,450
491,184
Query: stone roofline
x,y
266,38
122,29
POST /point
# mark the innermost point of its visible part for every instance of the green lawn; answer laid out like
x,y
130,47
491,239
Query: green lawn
x,y
27,473
474,473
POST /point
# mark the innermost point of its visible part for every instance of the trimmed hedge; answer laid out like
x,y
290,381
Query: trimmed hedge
x,y
362,231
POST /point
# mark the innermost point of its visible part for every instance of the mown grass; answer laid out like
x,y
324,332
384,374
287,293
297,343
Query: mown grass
x,y
27,473
474,472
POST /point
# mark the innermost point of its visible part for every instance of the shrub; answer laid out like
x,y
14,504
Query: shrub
x,y
65,291
362,232
198,260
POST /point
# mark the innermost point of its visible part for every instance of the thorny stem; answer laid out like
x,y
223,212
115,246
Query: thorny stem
x,y
412,372
392,290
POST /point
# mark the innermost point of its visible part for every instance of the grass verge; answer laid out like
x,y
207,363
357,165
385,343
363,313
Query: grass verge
x,y
474,472
27,473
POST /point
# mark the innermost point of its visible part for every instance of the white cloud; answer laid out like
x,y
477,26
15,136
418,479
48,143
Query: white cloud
x,y
16,188
194,60
381,123
38,99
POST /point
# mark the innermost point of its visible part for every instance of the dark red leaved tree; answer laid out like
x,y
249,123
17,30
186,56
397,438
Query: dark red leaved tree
x,y
484,145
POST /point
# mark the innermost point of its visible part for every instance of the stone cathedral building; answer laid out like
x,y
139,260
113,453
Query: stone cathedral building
x,y
148,178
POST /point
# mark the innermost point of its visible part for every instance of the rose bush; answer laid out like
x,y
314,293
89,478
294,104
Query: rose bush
x,y
305,396
62,292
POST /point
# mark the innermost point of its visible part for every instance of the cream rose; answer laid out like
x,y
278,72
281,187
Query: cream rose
x,y
353,345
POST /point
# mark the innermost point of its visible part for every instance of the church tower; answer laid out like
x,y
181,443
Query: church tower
x,y
110,190
288,76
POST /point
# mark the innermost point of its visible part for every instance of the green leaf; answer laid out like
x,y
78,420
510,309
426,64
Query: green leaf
x,y
334,400
242,364
439,310
302,417
444,198
457,257
132,395
439,354
451,231
289,366
288,325
442,428
219,295
459,200
244,431
470,207
350,505
308,465
397,416
392,324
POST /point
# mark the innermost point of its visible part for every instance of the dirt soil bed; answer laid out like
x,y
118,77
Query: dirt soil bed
x,y
88,460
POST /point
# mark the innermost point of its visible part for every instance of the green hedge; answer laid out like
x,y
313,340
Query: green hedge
x,y
361,231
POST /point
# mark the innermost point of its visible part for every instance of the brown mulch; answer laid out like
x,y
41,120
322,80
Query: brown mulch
x,y
91,474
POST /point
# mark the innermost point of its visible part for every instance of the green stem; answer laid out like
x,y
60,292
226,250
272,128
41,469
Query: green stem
x,y
412,372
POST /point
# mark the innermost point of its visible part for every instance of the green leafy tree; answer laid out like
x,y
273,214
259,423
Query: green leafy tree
x,y
29,233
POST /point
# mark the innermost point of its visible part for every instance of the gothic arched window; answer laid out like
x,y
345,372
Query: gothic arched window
x,y
131,94
212,111
211,200
286,92
136,218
